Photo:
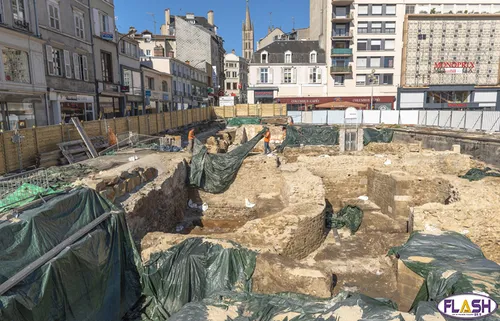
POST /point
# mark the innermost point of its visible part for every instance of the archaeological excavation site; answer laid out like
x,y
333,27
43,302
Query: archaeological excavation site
x,y
339,222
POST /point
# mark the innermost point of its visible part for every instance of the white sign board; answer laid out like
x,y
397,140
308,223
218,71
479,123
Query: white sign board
x,y
226,101
351,113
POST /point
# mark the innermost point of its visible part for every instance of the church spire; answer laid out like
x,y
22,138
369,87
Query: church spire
x,y
248,21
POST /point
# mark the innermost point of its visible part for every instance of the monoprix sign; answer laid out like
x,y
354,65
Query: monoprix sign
x,y
467,306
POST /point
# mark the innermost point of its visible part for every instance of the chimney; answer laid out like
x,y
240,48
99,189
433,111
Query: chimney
x,y
210,17
233,51
188,62
167,17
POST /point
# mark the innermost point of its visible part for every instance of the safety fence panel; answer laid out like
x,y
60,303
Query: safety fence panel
x,y
335,117
473,120
319,117
458,119
432,118
491,121
296,116
422,117
445,118
390,117
408,117
371,116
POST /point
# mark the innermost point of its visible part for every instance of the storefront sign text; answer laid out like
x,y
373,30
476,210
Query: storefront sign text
x,y
454,67
107,35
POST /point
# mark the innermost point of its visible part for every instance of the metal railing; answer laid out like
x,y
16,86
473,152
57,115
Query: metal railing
x,y
341,51
17,188
341,33
340,69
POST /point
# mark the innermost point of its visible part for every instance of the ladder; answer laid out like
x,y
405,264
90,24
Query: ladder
x,y
85,137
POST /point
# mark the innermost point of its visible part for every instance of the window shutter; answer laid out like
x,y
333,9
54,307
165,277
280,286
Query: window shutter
x,y
76,64
259,72
67,64
50,61
85,68
270,78
282,75
111,24
310,75
97,23
294,75
318,77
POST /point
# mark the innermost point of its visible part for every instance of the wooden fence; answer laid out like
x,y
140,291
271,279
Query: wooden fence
x,y
45,139
247,110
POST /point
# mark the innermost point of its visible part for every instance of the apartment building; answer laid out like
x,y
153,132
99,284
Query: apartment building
x,y
131,75
110,99
157,90
23,85
69,61
236,77
365,40
189,83
292,72
451,60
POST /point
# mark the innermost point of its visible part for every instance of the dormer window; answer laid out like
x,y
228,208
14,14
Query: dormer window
x,y
288,57
313,57
264,58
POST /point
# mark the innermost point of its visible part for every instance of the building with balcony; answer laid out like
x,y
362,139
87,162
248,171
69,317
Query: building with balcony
x,y
69,60
452,60
236,77
23,85
130,75
366,38
291,72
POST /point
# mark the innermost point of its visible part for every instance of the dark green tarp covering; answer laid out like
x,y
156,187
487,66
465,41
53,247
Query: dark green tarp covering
x,y
349,216
458,266
477,174
236,122
193,271
258,307
25,194
214,173
96,278
310,135
372,135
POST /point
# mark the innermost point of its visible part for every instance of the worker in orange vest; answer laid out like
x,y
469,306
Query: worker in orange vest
x,y
267,140
191,140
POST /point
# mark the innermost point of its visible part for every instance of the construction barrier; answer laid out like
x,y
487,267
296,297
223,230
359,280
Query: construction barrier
x,y
36,140
247,110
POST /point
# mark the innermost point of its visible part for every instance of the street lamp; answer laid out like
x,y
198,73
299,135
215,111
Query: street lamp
x,y
372,79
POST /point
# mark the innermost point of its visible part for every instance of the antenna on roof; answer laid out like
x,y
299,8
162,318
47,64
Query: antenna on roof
x,y
154,21
293,23
270,21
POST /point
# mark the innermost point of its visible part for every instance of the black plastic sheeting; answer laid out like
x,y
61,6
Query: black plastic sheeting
x,y
191,272
458,266
214,173
236,122
96,278
372,135
310,135
349,216
477,174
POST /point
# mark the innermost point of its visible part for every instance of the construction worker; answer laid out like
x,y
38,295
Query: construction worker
x,y
283,135
191,138
267,140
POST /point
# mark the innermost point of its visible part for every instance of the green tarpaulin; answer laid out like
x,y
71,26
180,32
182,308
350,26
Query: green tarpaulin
x,y
96,278
214,173
25,194
372,135
193,271
477,174
452,265
236,122
349,216
310,135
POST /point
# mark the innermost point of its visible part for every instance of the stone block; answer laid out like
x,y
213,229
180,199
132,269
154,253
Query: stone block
x,y
456,149
133,182
415,147
109,193
409,283
120,188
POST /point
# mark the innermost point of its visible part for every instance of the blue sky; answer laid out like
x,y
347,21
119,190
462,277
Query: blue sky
x,y
228,15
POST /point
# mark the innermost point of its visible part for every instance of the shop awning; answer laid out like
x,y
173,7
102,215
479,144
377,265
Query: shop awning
x,y
340,105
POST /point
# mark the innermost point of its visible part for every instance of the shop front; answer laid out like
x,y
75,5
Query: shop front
x,y
152,102
309,103
110,100
134,105
20,110
80,106
166,103
263,96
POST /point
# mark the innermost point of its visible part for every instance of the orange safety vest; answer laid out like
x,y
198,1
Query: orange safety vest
x,y
267,137
191,134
